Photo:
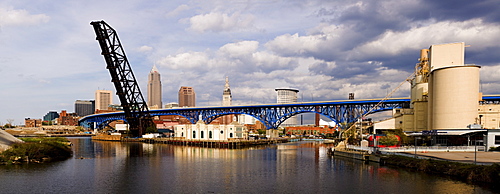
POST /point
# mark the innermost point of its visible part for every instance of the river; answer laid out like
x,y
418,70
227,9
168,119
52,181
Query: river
x,y
296,167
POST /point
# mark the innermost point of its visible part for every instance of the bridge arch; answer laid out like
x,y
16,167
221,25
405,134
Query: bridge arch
x,y
272,115
290,115
209,118
189,117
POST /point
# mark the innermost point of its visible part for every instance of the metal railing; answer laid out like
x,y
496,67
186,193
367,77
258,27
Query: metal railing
x,y
421,148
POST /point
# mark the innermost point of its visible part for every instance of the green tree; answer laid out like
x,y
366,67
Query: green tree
x,y
151,129
388,140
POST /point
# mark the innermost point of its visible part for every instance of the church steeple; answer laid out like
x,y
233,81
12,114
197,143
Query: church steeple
x,y
226,95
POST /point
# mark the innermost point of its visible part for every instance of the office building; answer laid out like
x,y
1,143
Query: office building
x,y
154,89
50,116
84,107
103,99
187,97
287,95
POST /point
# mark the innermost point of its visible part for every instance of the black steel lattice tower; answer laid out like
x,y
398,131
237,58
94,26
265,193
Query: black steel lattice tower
x,y
127,89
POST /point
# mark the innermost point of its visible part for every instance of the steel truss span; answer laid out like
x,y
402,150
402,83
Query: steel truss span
x,y
271,115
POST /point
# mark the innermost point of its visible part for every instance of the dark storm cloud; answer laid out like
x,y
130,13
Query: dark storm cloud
x,y
373,18
482,57
464,9
367,21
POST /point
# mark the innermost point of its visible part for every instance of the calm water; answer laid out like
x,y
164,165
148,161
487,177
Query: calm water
x,y
299,167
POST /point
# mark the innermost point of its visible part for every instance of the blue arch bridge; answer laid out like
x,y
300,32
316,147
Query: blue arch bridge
x,y
272,115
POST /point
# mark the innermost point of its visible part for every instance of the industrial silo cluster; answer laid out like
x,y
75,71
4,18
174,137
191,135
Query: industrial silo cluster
x,y
444,91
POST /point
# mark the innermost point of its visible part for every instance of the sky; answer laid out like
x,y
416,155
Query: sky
x,y
49,57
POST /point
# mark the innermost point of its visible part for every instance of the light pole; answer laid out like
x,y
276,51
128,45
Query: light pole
x,y
416,146
475,149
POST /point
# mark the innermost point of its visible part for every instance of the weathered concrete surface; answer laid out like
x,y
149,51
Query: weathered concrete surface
x,y
480,156
6,140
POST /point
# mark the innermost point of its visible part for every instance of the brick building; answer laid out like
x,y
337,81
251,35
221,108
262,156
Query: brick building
x,y
65,118
310,130
28,122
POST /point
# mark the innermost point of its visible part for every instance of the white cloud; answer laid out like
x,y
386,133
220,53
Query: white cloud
x,y
186,61
323,42
474,32
12,17
490,73
220,22
239,49
145,49
269,62
177,11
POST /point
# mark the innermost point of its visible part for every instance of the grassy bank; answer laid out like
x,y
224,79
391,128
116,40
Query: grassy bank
x,y
467,172
37,150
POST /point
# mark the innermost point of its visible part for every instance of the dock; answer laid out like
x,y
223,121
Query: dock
x,y
354,154
231,144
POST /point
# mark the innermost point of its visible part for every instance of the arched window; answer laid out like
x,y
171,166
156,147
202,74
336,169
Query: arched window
x,y
194,134
201,134
210,134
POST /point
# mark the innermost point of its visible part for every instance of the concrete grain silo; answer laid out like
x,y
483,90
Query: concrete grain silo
x,y
453,88
454,97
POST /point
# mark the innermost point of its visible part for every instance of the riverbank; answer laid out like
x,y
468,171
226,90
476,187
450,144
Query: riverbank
x,y
37,150
61,131
465,171
443,163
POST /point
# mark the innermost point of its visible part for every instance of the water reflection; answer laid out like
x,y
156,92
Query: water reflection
x,y
298,167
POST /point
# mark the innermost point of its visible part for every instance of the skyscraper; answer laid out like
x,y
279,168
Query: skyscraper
x,y
103,99
154,88
287,95
227,98
187,97
84,107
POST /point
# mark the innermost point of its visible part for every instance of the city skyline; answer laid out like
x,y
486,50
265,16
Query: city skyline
x,y
327,49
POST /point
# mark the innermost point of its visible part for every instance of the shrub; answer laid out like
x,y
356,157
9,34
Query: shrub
x,y
389,140
495,148
37,150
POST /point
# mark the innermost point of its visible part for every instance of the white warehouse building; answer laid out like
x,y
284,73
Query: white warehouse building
x,y
202,131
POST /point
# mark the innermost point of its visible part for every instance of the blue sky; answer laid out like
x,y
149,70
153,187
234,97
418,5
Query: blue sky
x,y
49,56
